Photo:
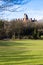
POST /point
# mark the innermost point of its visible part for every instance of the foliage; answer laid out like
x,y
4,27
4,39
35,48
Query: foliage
x,y
19,29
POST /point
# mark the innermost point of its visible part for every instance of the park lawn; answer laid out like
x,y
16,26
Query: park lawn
x,y
21,52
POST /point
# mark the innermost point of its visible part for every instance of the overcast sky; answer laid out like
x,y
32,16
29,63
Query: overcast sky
x,y
11,9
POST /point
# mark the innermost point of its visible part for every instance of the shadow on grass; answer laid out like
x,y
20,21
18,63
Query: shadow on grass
x,y
19,58
7,43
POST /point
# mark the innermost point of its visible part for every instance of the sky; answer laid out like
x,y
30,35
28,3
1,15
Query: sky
x,y
11,9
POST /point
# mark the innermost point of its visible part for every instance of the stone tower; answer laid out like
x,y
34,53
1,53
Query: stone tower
x,y
25,17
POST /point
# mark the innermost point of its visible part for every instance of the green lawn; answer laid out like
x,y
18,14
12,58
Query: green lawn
x,y
21,52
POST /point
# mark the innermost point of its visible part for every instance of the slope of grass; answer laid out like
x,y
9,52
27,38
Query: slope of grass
x,y
21,52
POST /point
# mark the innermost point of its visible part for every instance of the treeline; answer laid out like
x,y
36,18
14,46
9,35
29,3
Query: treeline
x,y
17,29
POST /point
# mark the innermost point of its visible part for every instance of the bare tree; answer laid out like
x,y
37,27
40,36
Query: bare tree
x,y
10,3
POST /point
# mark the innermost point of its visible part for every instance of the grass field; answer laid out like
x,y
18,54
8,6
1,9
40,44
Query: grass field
x,y
21,52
